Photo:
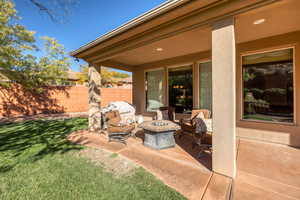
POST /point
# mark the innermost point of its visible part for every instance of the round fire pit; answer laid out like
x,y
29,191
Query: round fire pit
x,y
159,134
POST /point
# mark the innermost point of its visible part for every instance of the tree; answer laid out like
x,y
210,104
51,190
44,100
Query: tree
x,y
107,75
55,64
17,44
83,76
120,75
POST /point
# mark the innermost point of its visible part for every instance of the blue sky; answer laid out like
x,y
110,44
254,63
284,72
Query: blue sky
x,y
88,20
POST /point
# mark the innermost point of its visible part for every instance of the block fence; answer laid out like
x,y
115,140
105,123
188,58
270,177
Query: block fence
x,y
67,99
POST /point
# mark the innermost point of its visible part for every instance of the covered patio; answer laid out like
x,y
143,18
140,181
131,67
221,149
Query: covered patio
x,y
182,169
231,57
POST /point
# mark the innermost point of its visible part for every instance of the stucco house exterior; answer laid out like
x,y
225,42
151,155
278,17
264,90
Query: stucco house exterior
x,y
238,58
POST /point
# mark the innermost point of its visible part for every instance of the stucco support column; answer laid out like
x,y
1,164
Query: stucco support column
x,y
94,98
223,79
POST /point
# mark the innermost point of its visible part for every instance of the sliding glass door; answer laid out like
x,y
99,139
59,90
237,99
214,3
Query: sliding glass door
x,y
180,81
205,81
154,89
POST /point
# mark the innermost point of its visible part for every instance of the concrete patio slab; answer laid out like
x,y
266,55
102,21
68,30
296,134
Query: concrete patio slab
x,y
186,177
177,167
99,141
267,169
218,188
264,170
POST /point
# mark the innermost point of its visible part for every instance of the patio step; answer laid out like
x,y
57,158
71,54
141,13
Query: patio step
x,y
219,188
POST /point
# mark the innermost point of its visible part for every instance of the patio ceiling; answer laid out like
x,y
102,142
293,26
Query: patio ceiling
x,y
279,18
190,42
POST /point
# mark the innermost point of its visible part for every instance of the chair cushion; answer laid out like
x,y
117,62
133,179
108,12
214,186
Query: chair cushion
x,y
205,112
200,115
200,126
159,115
121,129
113,118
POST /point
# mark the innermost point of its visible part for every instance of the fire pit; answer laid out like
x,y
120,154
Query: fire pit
x,y
159,123
159,134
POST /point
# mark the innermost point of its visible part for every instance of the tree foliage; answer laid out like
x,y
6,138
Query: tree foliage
x,y
83,76
17,45
107,75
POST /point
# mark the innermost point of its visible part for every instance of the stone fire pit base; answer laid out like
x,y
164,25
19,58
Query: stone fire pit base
x,y
159,134
159,140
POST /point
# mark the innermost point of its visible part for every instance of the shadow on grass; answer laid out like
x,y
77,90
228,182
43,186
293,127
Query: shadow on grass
x,y
30,141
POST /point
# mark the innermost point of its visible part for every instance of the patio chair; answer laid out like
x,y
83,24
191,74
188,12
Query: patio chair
x,y
165,113
196,127
116,130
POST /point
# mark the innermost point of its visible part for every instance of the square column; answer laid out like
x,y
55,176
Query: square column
x,y
224,90
94,98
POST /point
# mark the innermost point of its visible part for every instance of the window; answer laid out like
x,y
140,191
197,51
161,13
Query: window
x,y
181,88
205,81
268,88
154,90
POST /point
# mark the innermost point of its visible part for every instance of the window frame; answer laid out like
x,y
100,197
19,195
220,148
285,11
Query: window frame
x,y
261,51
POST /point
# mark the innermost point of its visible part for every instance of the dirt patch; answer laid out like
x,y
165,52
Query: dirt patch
x,y
112,162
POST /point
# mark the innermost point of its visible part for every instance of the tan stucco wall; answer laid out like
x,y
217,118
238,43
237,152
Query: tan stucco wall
x,y
138,90
270,132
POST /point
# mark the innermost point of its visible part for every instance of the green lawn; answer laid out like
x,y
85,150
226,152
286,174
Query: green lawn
x,y
37,162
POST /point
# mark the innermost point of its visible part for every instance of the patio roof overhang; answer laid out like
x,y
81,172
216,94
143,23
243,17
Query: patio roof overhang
x,y
208,29
134,43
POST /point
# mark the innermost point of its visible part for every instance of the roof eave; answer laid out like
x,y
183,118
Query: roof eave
x,y
162,8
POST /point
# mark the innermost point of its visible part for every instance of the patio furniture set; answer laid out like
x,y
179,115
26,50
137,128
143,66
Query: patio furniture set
x,y
160,132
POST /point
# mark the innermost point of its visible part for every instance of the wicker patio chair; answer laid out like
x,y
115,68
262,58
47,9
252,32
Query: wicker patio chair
x,y
196,127
116,131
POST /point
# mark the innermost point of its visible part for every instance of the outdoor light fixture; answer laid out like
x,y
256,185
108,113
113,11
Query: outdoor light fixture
x,y
159,49
259,21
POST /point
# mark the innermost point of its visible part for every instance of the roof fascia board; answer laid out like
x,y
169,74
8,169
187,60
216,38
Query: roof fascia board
x,y
164,31
205,6
115,65
179,11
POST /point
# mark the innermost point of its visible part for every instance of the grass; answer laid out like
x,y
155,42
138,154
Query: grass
x,y
114,155
37,162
